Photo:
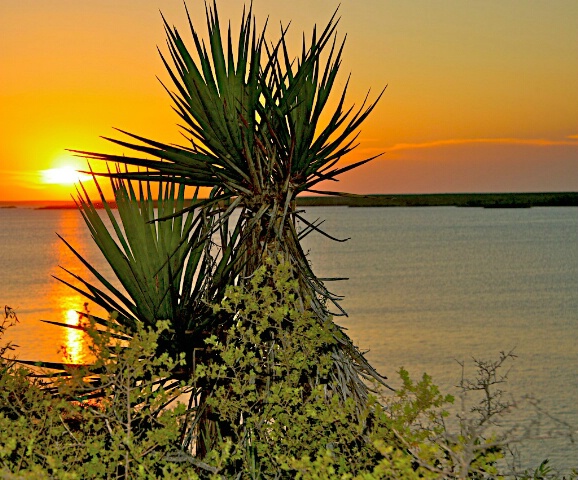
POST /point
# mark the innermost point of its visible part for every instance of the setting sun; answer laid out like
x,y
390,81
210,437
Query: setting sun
x,y
65,175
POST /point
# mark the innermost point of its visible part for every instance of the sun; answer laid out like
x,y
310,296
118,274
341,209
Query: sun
x,y
65,174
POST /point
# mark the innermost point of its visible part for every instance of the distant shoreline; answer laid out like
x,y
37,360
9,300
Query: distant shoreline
x,y
481,200
484,200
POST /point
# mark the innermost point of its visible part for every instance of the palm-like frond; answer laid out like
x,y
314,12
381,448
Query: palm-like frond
x,y
149,259
167,270
300,94
164,270
219,101
233,108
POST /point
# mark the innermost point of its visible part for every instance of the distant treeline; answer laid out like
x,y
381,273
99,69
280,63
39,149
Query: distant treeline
x,y
485,200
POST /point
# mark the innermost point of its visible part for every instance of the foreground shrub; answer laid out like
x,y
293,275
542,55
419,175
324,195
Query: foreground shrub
x,y
272,398
277,415
119,428
270,408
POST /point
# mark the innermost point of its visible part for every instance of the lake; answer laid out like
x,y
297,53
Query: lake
x,y
428,287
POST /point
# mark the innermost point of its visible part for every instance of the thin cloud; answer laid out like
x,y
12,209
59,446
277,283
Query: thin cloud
x,y
538,142
17,178
20,174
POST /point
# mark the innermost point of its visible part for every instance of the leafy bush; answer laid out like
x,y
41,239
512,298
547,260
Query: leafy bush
x,y
271,408
271,388
120,428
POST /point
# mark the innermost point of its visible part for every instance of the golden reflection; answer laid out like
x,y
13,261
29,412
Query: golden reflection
x,y
69,306
74,343
75,348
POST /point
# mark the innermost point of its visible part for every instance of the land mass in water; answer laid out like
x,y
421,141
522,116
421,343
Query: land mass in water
x,y
484,200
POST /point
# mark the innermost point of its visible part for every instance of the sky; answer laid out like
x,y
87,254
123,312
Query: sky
x,y
481,96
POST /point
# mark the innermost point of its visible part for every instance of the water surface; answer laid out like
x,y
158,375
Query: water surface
x,y
427,287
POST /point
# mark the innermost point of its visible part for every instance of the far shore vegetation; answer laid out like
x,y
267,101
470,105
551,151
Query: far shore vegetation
x,y
483,200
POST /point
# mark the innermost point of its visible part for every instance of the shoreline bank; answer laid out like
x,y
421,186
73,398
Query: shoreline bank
x,y
483,200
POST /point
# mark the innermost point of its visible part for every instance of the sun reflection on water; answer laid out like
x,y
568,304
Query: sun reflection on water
x,y
72,307
75,347
75,342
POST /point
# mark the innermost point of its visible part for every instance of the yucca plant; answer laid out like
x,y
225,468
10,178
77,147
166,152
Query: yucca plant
x,y
168,271
255,138
253,122
165,268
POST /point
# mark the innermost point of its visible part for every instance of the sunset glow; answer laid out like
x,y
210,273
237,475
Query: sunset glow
x,y
63,176
480,97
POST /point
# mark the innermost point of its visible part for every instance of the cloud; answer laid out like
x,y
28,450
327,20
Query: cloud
x,y
20,179
20,174
537,142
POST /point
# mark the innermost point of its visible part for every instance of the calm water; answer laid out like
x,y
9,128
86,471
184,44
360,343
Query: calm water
x,y
427,287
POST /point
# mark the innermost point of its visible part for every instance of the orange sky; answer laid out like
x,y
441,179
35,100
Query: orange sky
x,y
482,96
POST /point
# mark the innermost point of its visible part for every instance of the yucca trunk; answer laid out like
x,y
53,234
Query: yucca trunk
x,y
271,232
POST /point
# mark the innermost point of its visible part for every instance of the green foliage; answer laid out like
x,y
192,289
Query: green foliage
x,y
269,381
32,427
131,421
164,267
252,116
169,270
253,121
272,413
129,429
149,259
273,404
544,471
